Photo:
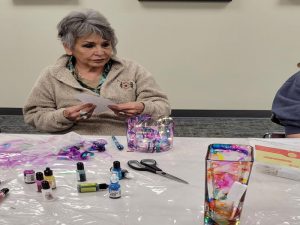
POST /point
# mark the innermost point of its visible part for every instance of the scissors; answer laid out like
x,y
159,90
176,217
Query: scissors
x,y
150,166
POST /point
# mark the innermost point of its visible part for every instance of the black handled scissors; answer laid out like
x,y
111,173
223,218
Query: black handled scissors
x,y
150,166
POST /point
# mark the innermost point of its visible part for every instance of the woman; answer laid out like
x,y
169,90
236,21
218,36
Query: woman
x,y
91,66
286,106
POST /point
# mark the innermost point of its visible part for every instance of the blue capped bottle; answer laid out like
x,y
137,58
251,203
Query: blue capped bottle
x,y
114,187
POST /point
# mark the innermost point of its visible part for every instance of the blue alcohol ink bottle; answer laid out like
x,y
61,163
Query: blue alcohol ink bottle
x,y
81,177
114,187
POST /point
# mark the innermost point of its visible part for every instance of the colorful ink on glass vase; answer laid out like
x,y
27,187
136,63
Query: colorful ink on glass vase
x,y
228,168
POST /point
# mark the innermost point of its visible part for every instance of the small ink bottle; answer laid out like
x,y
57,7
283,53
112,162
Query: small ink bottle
x,y
114,187
39,178
3,192
29,176
46,191
117,169
91,187
80,172
49,177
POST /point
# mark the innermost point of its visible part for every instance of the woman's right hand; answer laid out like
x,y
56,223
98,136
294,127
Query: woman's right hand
x,y
79,112
128,109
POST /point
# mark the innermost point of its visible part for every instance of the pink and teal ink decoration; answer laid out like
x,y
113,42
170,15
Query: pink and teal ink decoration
x,y
145,134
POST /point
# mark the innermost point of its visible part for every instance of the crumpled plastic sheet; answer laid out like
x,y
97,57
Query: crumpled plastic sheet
x,y
42,149
146,198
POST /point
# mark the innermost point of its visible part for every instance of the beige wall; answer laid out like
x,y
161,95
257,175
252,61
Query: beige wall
x,y
205,55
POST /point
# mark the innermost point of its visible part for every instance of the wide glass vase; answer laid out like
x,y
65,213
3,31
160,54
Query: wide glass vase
x,y
145,134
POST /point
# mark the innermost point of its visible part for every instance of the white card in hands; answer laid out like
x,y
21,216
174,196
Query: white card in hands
x,y
100,102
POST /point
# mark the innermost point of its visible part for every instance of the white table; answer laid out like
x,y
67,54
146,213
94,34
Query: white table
x,y
147,198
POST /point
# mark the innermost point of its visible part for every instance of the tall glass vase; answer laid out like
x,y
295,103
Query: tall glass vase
x,y
228,168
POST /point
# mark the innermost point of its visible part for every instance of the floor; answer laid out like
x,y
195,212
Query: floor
x,y
184,126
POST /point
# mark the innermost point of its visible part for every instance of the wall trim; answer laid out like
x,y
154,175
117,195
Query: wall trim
x,y
221,113
185,0
184,113
11,111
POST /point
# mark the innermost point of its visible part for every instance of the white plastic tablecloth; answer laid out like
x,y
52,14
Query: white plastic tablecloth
x,y
147,198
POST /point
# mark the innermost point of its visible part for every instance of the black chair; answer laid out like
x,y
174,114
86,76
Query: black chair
x,y
274,119
275,134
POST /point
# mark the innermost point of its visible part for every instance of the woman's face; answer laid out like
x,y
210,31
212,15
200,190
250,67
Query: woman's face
x,y
91,51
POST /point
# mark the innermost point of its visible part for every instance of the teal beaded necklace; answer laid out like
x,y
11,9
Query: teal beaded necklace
x,y
107,67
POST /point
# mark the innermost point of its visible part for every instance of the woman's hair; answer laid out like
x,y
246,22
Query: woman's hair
x,y
81,23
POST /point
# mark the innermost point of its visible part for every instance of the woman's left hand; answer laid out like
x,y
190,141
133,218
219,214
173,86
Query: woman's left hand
x,y
128,109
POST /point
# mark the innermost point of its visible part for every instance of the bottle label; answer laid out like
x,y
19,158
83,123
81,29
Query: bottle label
x,y
51,181
114,194
87,189
39,186
81,175
29,178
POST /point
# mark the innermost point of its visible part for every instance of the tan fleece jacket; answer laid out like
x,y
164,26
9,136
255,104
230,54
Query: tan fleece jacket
x,y
56,87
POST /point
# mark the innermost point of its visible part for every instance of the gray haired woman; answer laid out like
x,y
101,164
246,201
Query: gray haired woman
x,y
90,66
